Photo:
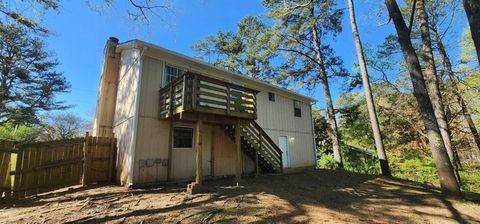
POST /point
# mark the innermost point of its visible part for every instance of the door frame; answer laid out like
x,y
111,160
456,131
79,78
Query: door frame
x,y
285,154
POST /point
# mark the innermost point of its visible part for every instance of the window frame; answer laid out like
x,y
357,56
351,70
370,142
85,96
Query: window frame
x,y
164,73
295,108
271,97
192,138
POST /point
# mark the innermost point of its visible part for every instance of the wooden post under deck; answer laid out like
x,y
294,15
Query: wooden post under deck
x,y
198,141
170,147
238,167
212,152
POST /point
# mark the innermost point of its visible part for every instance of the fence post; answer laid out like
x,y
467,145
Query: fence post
x,y
85,160
6,150
18,174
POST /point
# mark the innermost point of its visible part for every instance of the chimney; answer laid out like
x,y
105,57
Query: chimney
x,y
112,43
107,94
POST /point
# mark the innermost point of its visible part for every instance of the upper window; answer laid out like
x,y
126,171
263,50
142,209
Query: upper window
x,y
182,137
271,97
170,73
297,109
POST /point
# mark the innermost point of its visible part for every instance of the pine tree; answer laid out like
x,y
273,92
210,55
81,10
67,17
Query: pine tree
x,y
302,27
448,181
472,8
431,79
368,94
246,51
28,77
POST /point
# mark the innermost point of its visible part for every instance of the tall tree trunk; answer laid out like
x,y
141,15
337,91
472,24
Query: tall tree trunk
x,y
368,94
448,181
431,79
457,162
453,78
326,91
472,8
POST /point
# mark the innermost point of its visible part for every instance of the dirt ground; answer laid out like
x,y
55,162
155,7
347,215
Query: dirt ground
x,y
307,197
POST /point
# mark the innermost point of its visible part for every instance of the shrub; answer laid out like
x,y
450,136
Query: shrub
x,y
327,161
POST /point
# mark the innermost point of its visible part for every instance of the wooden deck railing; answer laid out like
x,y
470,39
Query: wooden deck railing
x,y
194,92
264,145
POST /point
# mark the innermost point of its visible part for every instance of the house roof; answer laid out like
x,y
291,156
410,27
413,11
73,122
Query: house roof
x,y
230,75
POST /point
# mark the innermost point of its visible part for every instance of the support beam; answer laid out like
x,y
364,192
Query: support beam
x,y
170,147
195,187
238,167
212,152
198,146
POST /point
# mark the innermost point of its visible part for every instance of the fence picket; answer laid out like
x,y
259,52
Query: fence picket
x,y
45,166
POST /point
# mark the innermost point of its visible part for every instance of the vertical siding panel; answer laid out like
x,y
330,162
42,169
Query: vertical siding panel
x,y
153,143
277,119
152,134
125,109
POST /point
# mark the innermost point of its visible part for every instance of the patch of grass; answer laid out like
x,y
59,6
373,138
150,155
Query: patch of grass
x,y
412,167
471,179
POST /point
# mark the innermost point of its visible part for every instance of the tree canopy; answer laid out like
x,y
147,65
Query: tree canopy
x,y
29,80
248,51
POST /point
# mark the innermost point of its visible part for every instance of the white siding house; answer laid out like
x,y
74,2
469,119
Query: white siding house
x,y
157,132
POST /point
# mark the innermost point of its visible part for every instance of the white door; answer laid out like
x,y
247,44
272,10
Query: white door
x,y
283,144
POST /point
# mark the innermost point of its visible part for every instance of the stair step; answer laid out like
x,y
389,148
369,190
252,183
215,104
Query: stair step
x,y
268,162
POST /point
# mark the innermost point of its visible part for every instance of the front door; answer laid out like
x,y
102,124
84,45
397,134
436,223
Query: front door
x,y
283,144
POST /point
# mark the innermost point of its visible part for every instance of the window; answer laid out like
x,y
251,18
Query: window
x,y
297,109
170,73
271,97
182,137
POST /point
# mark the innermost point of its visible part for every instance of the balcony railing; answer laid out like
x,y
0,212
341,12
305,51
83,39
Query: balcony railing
x,y
197,93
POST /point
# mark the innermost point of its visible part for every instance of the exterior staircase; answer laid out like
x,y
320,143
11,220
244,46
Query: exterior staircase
x,y
257,145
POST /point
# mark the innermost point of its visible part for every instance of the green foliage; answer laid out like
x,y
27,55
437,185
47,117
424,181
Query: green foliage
x,y
19,133
414,167
468,55
52,127
295,23
323,138
28,78
248,51
17,14
471,179
358,162
327,161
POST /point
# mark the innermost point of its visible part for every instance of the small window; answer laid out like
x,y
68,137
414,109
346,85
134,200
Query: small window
x,y
297,109
182,137
271,97
170,73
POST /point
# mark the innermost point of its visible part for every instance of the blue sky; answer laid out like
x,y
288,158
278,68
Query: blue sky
x,y
81,34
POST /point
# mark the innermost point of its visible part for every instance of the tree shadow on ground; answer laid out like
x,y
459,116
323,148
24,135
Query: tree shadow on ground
x,y
66,195
312,196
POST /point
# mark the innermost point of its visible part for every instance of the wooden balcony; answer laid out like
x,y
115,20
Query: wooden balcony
x,y
197,93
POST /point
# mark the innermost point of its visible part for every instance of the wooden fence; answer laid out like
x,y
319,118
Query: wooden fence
x,y
45,166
